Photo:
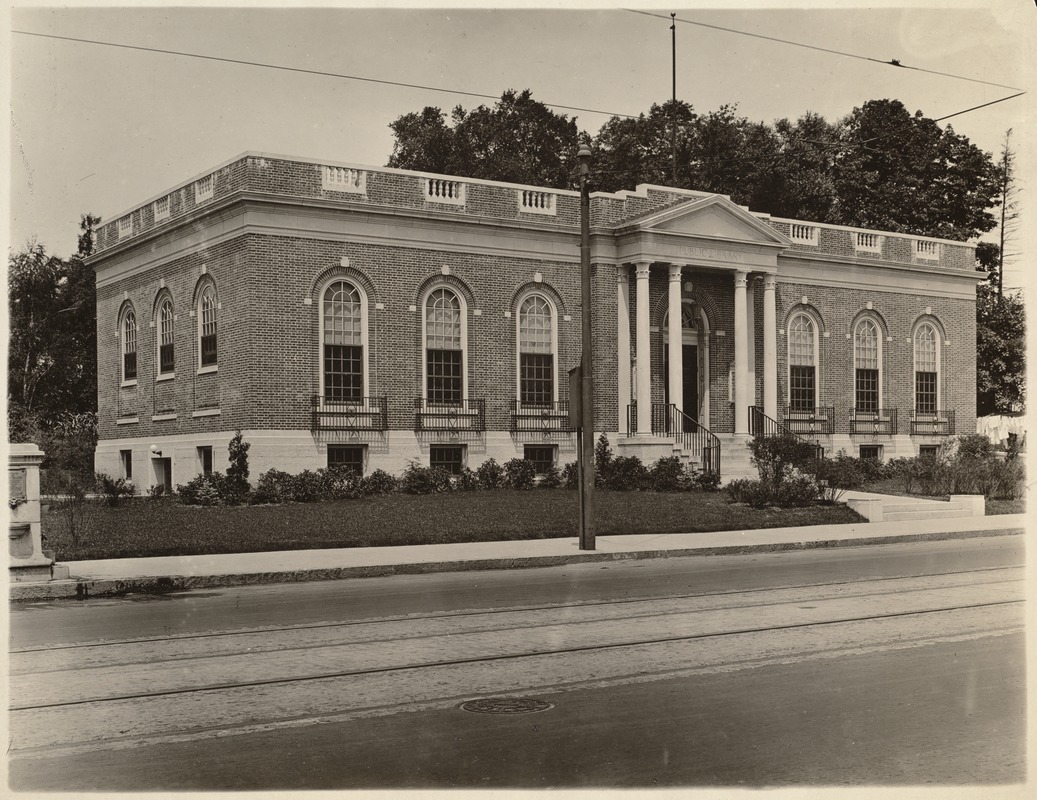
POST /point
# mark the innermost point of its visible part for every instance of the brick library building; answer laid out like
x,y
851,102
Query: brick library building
x,y
373,317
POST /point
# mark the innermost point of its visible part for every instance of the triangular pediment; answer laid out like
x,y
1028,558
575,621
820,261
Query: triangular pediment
x,y
712,217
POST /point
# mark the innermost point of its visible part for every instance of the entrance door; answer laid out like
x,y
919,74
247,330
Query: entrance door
x,y
690,362
164,473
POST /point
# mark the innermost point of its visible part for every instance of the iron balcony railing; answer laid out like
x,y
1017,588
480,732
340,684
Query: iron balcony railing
x,y
360,414
818,421
762,426
462,415
876,422
692,436
545,418
932,423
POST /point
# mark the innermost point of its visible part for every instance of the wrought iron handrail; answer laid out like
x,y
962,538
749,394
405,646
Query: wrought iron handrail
x,y
460,415
762,426
932,423
878,421
817,421
540,417
692,436
359,414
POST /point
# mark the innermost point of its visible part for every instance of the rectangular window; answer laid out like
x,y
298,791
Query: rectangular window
x,y
536,378
343,372
801,388
928,450
347,456
208,349
444,376
165,358
542,456
126,457
205,459
925,392
129,366
872,452
447,456
867,390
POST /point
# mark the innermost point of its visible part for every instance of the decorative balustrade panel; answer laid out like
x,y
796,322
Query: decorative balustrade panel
x,y
468,415
880,422
934,423
439,190
818,422
362,414
543,418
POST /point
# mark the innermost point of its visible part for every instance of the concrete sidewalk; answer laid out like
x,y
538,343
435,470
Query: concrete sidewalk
x,y
173,573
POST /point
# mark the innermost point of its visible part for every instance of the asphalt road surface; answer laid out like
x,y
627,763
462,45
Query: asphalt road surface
x,y
880,665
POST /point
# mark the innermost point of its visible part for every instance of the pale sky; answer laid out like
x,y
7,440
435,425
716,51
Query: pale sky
x,y
102,129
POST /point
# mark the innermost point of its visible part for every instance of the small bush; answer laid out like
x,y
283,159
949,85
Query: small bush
x,y
520,474
490,475
551,479
378,482
339,483
750,491
795,490
466,481
836,475
669,475
236,487
626,473
571,475
111,490
307,486
603,461
705,481
775,457
201,491
417,479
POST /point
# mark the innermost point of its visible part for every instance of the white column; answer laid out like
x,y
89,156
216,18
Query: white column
x,y
676,376
750,322
644,363
770,350
623,346
741,409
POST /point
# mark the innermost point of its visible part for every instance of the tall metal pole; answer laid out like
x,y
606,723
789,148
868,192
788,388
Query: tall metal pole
x,y
587,363
673,105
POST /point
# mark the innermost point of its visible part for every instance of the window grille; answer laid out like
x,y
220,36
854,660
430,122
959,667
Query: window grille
x,y
447,456
542,456
347,457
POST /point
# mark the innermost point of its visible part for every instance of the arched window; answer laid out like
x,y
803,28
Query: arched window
x,y
207,352
444,348
867,360
165,337
927,369
802,342
343,334
129,346
536,345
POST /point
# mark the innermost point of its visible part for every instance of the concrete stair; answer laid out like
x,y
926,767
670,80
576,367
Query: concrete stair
x,y
891,508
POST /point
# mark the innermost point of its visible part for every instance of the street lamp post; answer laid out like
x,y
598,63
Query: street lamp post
x,y
586,432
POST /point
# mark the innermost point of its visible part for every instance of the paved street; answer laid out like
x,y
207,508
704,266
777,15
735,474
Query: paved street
x,y
878,665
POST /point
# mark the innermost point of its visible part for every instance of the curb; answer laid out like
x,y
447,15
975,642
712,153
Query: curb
x,y
86,588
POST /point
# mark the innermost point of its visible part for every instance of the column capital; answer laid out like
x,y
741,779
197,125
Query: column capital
x,y
622,274
769,282
675,273
741,279
641,269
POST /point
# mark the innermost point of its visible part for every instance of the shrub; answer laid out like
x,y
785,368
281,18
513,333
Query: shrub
x,y
236,488
747,490
551,479
378,482
490,475
775,457
626,473
603,461
796,490
571,475
669,475
307,486
155,491
835,475
466,481
520,474
417,479
202,491
111,490
705,481
339,483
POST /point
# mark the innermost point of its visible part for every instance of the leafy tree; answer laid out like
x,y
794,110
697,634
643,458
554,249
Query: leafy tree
x,y
899,172
519,140
1000,352
632,151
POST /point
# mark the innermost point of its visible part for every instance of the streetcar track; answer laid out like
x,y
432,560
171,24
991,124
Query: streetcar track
x,y
509,656
413,638
494,611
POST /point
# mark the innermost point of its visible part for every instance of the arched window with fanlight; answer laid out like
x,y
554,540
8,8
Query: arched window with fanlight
x,y
444,347
536,351
867,366
927,368
343,323
208,354
802,343
128,329
166,358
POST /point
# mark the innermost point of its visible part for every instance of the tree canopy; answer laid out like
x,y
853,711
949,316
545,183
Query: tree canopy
x,y
879,167
1000,351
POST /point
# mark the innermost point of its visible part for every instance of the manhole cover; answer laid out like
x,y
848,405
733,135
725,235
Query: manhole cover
x,y
506,705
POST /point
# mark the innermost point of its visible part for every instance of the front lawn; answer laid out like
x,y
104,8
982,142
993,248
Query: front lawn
x,y
146,527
